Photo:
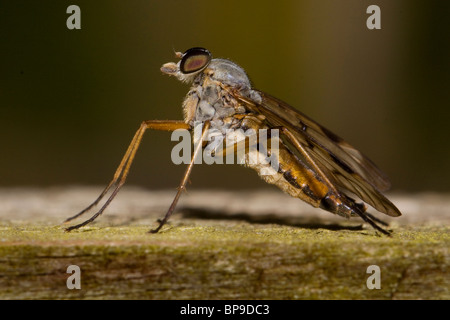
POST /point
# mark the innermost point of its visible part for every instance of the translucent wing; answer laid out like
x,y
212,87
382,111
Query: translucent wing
x,y
344,165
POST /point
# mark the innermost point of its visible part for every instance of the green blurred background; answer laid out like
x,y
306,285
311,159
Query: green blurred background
x,y
71,100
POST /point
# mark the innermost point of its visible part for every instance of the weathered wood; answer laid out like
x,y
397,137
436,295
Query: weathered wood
x,y
220,245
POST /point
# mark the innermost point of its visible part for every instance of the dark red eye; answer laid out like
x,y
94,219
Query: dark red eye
x,y
194,59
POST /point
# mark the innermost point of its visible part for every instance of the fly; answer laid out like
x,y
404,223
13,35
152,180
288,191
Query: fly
x,y
314,164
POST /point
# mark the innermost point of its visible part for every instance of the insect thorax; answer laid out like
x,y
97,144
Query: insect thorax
x,y
207,100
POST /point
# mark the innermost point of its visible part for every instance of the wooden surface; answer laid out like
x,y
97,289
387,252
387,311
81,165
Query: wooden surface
x,y
218,245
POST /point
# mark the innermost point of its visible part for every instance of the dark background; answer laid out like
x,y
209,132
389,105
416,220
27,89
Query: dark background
x,y
71,100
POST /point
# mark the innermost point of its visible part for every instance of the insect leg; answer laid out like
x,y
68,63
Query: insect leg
x,y
184,181
122,170
384,223
367,217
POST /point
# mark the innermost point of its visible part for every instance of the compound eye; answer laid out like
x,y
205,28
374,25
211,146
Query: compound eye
x,y
194,60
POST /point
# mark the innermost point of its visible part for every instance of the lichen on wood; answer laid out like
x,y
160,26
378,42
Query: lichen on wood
x,y
230,255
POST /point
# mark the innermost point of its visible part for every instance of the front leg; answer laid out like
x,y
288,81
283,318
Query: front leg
x,y
124,167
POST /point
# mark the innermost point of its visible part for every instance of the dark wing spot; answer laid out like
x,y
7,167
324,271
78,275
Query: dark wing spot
x,y
341,164
302,125
331,135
